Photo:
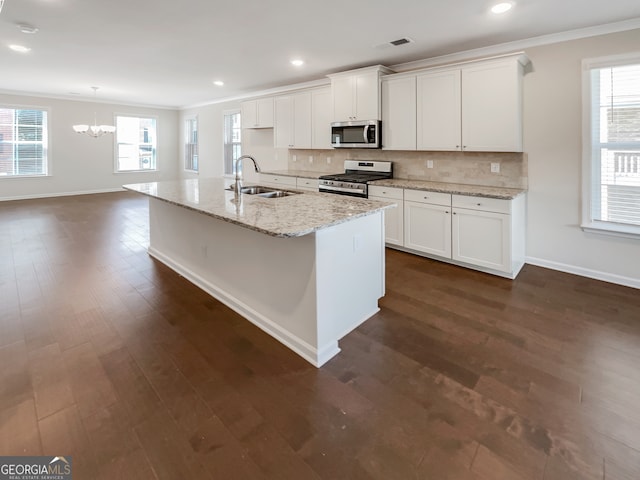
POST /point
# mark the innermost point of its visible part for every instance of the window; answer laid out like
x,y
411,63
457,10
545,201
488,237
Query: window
x,y
135,144
23,142
232,139
612,154
191,144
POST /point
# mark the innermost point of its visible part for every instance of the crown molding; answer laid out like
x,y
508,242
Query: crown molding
x,y
321,82
67,98
519,45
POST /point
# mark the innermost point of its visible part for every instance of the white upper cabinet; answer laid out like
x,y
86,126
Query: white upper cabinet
x,y
492,106
356,94
321,117
293,121
257,113
399,113
438,111
475,107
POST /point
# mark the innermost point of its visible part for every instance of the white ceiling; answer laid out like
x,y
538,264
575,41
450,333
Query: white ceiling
x,y
167,53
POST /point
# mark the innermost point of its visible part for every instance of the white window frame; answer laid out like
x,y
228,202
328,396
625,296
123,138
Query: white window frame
x,y
224,114
588,223
48,163
115,144
187,119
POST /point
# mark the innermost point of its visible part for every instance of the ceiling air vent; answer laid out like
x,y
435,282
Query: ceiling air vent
x,y
400,41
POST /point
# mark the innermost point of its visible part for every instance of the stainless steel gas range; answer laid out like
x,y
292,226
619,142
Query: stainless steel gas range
x,y
358,173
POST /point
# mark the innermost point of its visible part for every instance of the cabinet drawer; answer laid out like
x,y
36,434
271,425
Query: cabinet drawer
x,y
278,179
482,203
435,198
307,183
386,192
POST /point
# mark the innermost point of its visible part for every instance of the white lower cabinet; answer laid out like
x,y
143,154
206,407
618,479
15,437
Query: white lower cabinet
x,y
280,181
481,238
393,217
477,232
481,232
427,220
307,184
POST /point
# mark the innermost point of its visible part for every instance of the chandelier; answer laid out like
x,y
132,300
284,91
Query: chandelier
x,y
94,130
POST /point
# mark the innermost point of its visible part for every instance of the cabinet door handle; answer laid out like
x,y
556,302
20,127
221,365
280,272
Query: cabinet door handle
x,y
446,211
478,204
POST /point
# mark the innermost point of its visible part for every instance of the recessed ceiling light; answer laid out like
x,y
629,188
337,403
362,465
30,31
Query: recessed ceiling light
x,y
19,48
26,28
218,83
501,8
297,62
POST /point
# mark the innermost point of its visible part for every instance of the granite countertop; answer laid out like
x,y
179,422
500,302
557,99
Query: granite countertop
x,y
296,173
456,188
291,216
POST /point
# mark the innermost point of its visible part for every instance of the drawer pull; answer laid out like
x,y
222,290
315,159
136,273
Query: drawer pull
x,y
478,204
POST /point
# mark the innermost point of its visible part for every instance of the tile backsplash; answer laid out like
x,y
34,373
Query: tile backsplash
x,y
472,168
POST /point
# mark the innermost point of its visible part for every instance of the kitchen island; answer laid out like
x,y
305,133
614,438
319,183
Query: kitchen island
x,y
306,268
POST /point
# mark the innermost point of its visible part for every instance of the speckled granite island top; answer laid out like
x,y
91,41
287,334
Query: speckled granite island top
x,y
455,188
291,216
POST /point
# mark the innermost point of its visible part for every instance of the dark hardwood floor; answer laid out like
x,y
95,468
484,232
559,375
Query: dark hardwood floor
x,y
110,357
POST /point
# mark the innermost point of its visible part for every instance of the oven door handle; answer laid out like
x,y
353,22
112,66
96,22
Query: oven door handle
x,y
345,190
365,134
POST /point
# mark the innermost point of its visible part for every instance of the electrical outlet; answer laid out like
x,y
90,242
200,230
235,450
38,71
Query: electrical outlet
x,y
495,167
310,158
294,158
328,160
429,163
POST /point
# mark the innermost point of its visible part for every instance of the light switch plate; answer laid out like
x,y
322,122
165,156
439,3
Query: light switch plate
x,y
429,163
495,167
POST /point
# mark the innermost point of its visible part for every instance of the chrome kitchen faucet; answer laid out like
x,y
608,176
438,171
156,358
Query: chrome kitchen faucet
x,y
236,163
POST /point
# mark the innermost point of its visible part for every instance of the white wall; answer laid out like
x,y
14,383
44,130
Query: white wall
x,y
553,139
79,163
257,143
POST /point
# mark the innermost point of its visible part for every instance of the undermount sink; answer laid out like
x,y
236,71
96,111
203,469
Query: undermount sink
x,y
265,192
276,194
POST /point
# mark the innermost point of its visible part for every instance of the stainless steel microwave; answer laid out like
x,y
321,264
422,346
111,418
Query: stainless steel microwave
x,y
356,134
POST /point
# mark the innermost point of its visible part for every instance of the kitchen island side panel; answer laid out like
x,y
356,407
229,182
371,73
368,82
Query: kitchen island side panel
x,y
271,281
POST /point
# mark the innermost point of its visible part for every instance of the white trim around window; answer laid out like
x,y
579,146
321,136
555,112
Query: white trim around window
x,y
595,210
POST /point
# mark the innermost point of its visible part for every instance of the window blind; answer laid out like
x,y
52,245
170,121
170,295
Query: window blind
x,y
615,133
191,145
23,142
232,141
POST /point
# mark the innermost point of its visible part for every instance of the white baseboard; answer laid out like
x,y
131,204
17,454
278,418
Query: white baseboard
x,y
585,272
61,194
316,357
